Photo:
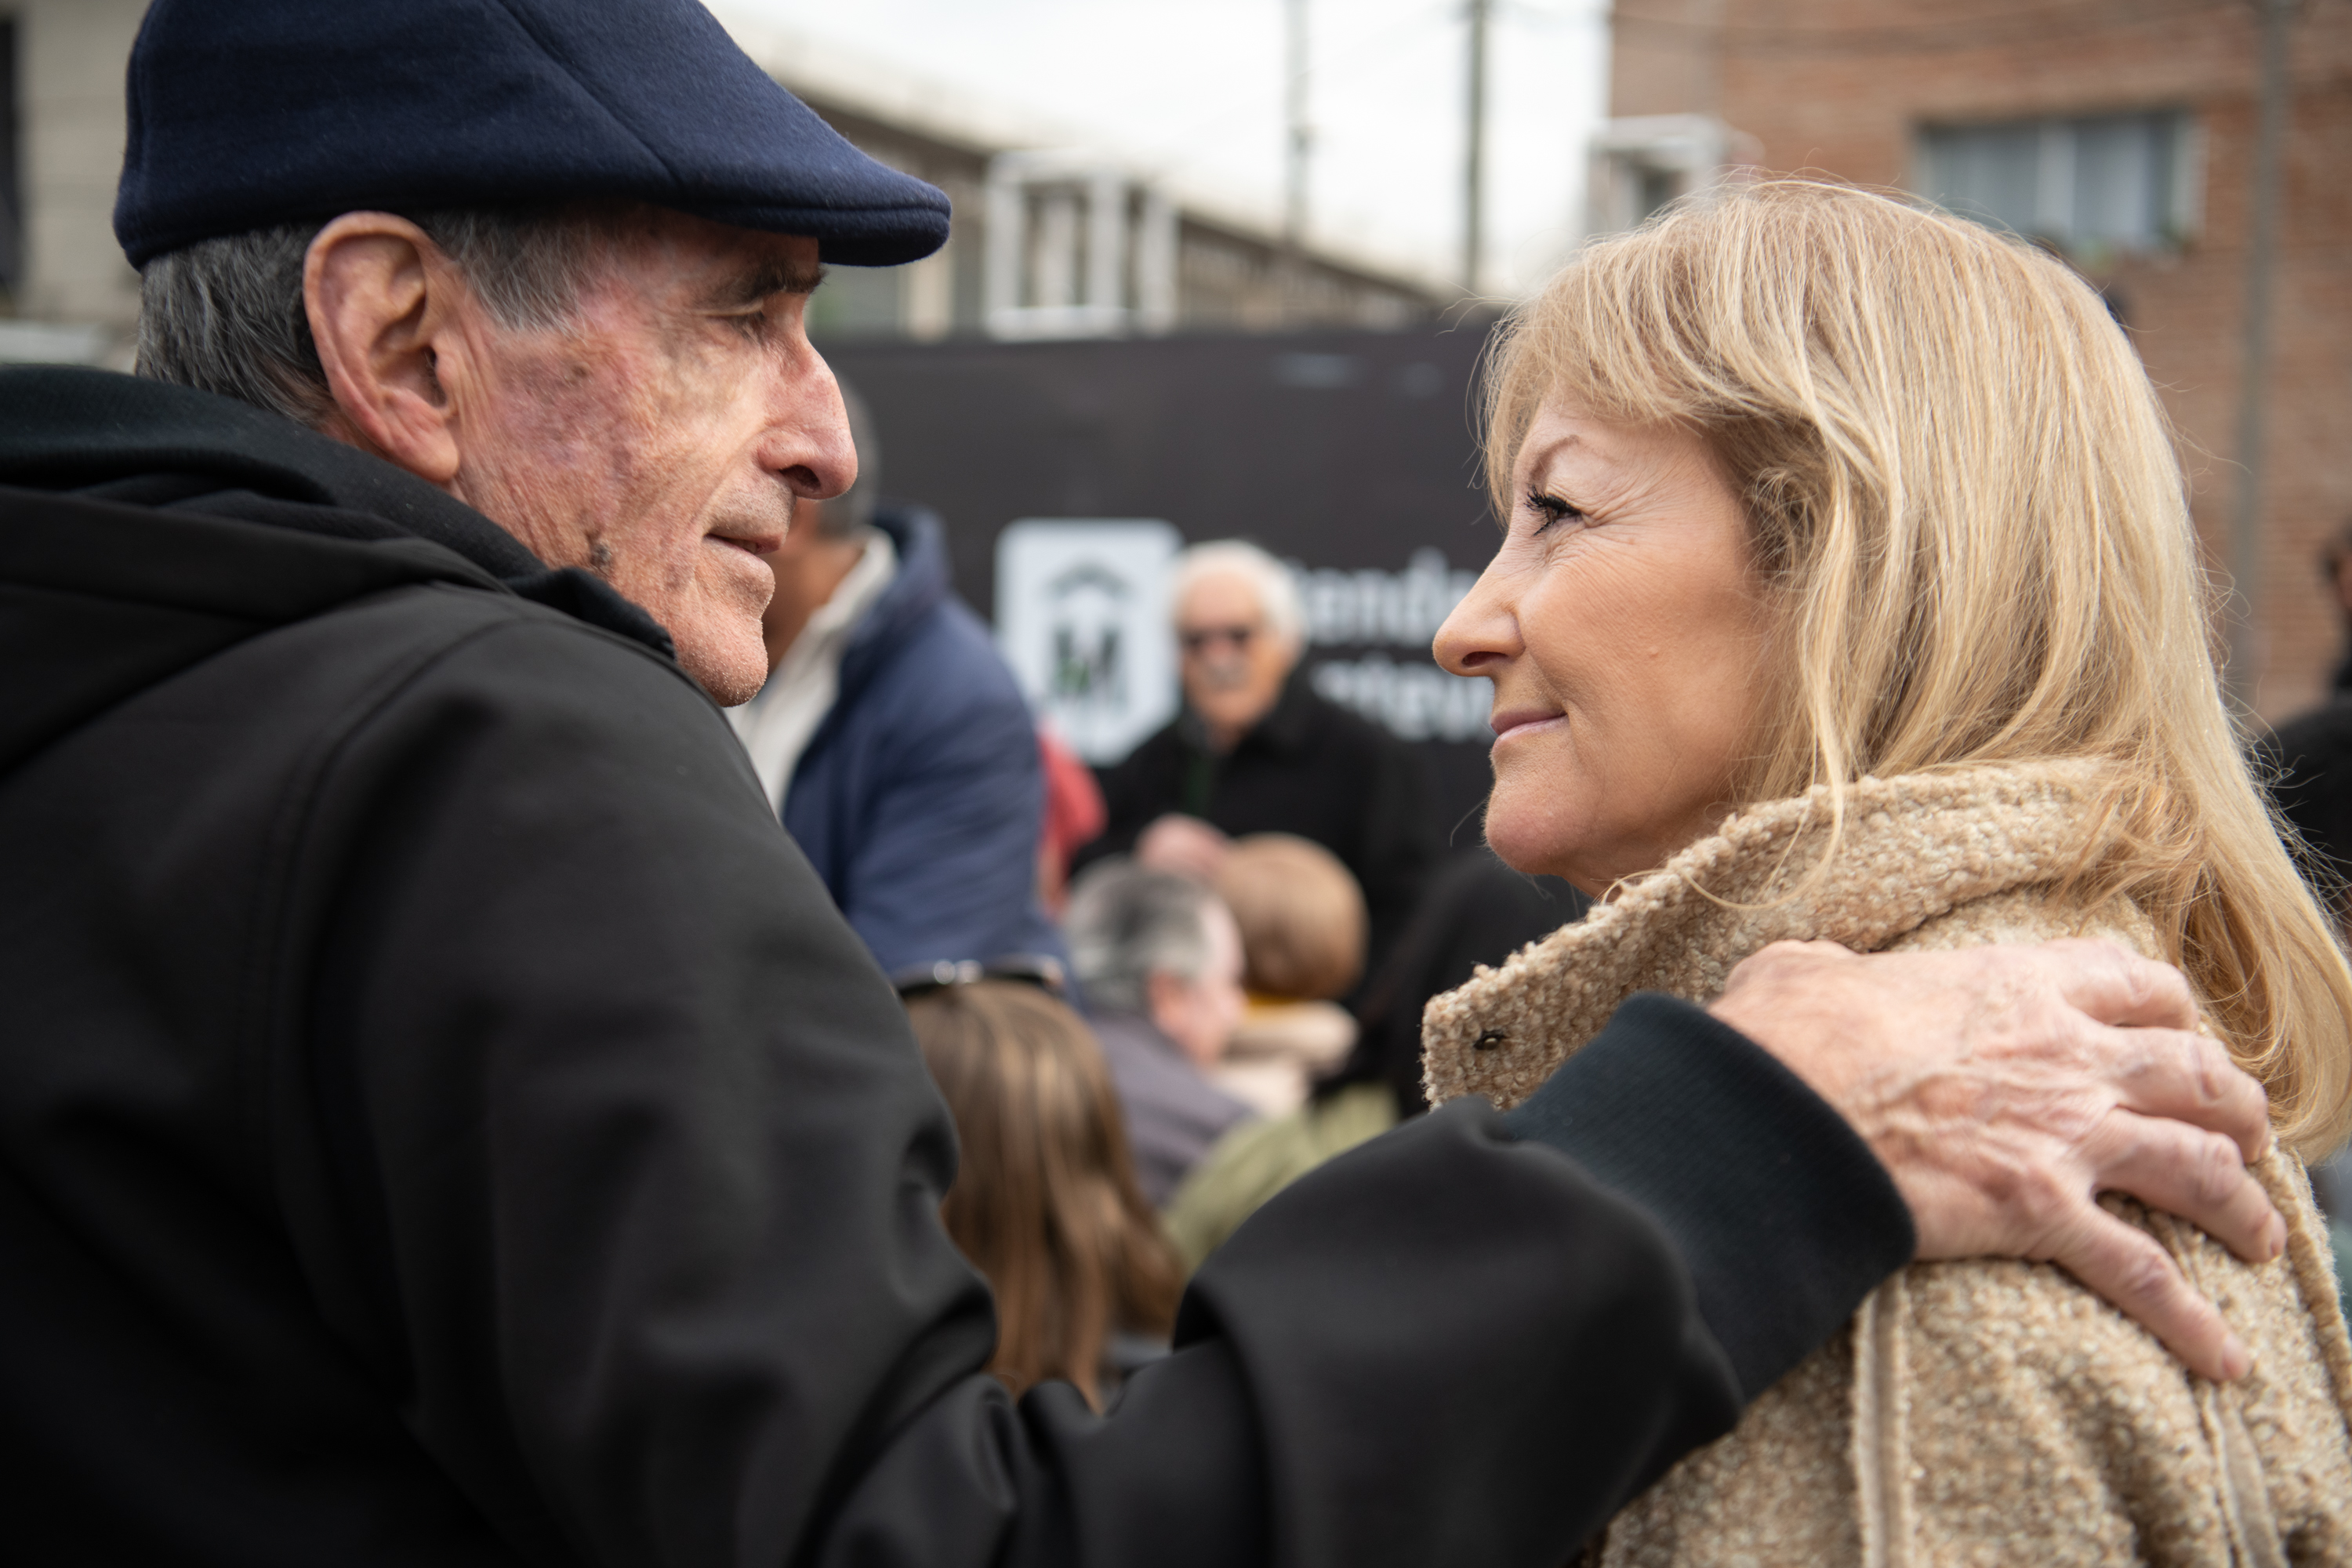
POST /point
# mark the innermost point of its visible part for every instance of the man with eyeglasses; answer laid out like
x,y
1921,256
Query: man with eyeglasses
x,y
1257,750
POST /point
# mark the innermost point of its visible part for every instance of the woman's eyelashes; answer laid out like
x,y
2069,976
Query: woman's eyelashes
x,y
1548,508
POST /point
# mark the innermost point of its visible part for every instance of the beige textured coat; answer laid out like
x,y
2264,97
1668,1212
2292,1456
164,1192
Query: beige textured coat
x,y
1972,1412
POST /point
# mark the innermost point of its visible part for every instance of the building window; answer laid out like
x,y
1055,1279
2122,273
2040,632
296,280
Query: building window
x,y
2126,181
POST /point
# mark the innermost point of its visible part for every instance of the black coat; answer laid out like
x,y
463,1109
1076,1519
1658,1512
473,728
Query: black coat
x,y
2308,760
443,1121
1310,767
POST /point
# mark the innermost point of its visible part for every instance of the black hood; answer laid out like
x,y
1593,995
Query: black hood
x,y
144,527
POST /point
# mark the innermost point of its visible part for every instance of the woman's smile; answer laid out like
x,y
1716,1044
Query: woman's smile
x,y
1522,722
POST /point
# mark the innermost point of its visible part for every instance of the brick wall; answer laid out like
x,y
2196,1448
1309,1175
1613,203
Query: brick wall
x,y
1842,86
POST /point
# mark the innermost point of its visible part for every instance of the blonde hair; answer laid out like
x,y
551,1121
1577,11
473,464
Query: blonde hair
x,y
1968,515
1045,1202
1300,913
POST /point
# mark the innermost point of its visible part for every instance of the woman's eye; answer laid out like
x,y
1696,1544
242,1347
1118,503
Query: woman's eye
x,y
1551,509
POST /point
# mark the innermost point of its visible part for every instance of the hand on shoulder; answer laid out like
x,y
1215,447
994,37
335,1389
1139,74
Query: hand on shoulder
x,y
2005,1087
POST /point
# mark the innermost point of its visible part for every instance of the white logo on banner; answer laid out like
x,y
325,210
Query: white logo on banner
x,y
1403,609
1413,698
1413,701
1082,616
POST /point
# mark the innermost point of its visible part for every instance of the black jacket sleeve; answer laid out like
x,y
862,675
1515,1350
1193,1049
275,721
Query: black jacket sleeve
x,y
1402,840
1137,790
607,1150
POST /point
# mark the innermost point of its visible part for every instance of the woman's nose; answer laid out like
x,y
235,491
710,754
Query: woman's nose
x,y
1482,635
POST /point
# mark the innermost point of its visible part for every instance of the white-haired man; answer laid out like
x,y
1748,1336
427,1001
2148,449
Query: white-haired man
x,y
443,1120
1257,750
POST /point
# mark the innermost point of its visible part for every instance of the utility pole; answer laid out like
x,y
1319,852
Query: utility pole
x,y
1298,137
1473,163
2253,388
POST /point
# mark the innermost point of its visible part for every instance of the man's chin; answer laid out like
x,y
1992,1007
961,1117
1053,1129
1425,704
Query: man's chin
x,y
729,662
731,683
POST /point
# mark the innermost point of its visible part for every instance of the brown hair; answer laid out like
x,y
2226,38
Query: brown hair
x,y
1045,1203
1301,916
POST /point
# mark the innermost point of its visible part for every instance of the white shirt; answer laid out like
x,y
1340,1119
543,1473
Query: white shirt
x,y
776,726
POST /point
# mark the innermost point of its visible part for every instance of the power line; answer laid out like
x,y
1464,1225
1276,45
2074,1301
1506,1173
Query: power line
x,y
1474,161
1223,112
2262,243
1298,137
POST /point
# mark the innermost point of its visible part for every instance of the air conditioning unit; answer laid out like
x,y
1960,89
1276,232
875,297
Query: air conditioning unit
x,y
1076,248
1647,161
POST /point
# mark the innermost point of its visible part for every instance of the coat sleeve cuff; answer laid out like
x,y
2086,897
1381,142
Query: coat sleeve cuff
x,y
1783,1216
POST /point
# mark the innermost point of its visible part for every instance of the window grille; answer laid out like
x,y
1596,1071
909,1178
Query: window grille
x,y
2126,181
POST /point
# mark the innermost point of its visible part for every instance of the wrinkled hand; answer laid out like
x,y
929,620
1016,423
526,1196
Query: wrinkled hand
x,y
2004,1088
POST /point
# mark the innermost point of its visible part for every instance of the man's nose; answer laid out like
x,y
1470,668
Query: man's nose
x,y
808,444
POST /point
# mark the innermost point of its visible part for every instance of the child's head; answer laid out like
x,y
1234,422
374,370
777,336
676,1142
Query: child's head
x,y
1301,916
1045,1202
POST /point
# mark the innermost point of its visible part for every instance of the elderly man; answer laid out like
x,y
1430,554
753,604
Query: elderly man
x,y
1257,750
893,740
444,1121
1161,960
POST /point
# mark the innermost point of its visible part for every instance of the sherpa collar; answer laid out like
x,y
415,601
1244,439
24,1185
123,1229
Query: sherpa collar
x,y
1914,848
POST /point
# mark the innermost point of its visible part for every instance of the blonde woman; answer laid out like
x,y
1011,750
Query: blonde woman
x,y
1848,591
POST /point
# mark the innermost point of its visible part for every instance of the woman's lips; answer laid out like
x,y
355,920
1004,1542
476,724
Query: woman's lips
x,y
1524,721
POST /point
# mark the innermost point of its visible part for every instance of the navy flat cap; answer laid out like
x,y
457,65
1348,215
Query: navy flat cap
x,y
248,113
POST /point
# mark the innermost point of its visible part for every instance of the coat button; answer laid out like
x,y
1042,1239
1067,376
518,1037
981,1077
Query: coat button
x,y
1489,1039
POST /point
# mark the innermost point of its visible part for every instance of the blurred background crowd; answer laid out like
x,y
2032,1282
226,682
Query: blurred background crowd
x,y
1103,703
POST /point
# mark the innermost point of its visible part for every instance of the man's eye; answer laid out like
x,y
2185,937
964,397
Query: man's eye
x,y
752,324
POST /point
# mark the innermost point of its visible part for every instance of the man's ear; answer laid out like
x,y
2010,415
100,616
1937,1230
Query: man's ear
x,y
382,301
1164,995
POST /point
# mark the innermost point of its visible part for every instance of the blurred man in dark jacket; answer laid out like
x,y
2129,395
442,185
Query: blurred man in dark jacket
x,y
1257,750
2309,760
892,737
2310,755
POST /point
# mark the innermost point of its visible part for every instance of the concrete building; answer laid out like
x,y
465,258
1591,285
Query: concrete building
x,y
2122,132
69,295
1046,244
1055,240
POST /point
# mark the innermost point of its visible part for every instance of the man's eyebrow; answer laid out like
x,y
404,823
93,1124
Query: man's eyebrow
x,y
776,275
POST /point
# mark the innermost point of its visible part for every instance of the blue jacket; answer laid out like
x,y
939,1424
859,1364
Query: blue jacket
x,y
921,797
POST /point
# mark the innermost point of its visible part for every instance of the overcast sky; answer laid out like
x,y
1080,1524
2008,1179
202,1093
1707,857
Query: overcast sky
x,y
1195,88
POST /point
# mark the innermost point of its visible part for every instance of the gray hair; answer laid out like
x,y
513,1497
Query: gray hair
x,y
1125,924
227,315
1277,588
